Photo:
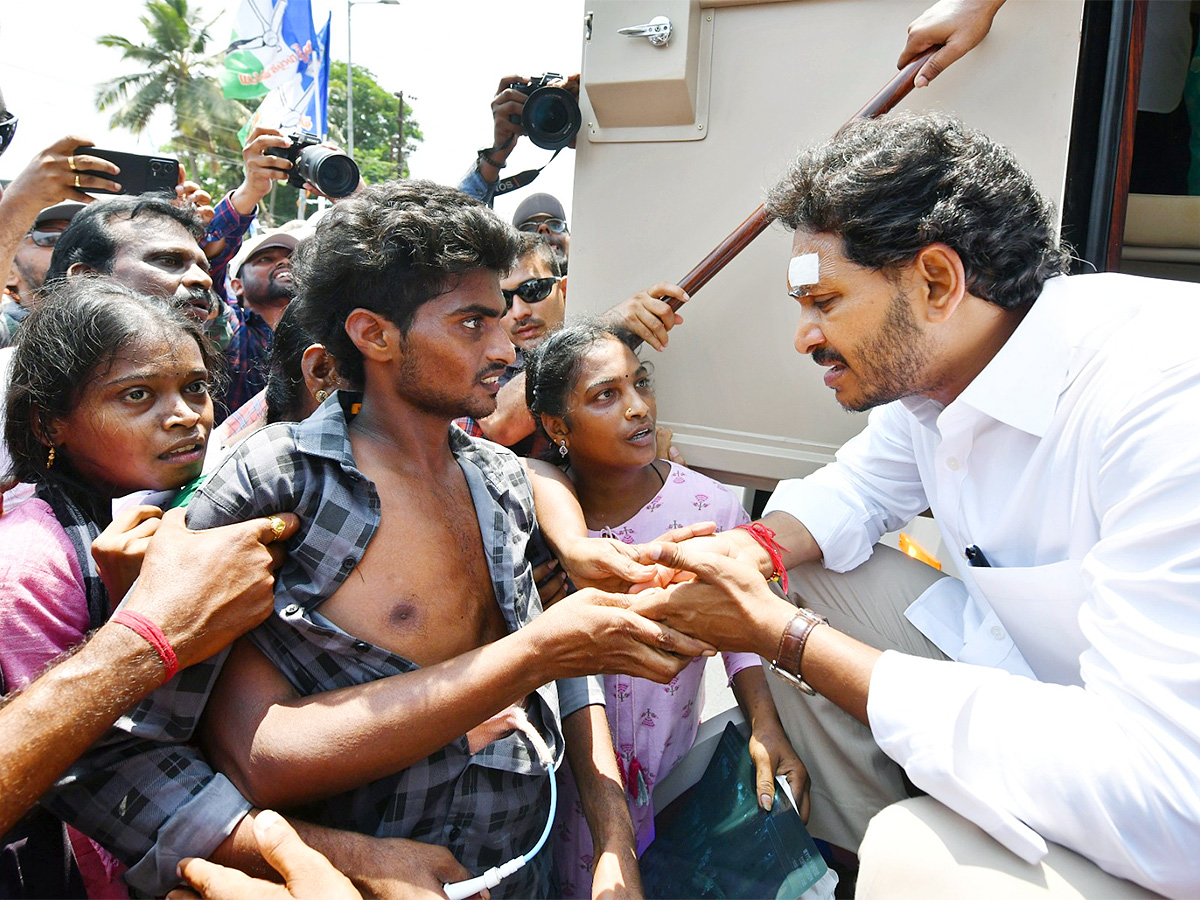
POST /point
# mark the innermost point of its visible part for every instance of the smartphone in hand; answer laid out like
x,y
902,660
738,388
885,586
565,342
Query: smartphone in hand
x,y
139,174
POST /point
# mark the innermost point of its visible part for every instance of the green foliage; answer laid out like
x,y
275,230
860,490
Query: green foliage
x,y
179,73
374,122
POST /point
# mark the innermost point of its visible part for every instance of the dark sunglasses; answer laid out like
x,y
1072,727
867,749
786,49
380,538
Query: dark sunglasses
x,y
535,290
44,238
8,127
556,226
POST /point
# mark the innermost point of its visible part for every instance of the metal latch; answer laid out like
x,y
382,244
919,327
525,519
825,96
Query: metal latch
x,y
657,31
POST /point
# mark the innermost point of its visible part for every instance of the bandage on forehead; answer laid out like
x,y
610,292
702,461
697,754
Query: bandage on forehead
x,y
803,270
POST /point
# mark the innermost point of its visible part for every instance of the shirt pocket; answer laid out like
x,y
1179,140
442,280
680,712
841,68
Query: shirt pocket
x,y
1039,605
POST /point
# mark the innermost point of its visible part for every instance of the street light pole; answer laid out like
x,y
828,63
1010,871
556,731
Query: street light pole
x,y
399,134
350,4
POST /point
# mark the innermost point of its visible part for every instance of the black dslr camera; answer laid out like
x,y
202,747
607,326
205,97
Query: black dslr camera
x,y
551,117
332,173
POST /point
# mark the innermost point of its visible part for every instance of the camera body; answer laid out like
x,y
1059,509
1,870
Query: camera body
x,y
551,117
334,174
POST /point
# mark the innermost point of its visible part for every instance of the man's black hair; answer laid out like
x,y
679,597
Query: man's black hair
x,y
390,249
286,388
532,242
91,240
889,187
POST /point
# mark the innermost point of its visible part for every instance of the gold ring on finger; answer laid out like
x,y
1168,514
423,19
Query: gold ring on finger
x,y
278,527
71,164
77,184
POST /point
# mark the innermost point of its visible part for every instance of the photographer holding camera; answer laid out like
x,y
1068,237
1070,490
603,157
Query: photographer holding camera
x,y
555,127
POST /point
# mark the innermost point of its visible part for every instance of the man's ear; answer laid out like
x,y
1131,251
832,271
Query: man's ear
x,y
942,280
562,286
79,268
236,284
376,338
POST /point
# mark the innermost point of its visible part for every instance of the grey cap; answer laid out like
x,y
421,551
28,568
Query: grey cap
x,y
64,211
263,241
538,205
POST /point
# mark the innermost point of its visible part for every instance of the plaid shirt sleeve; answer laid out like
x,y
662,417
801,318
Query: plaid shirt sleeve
x,y
145,794
248,348
229,225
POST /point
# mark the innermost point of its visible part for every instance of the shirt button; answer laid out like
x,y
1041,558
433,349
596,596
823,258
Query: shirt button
x,y
348,563
455,833
291,610
952,464
998,632
362,646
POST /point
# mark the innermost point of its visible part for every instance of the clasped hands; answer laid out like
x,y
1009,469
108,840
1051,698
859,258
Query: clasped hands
x,y
705,584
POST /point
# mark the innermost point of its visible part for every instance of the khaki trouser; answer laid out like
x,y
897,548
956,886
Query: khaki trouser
x,y
852,779
916,848
922,850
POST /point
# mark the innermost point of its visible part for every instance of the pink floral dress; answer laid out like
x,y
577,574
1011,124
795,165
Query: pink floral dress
x,y
653,725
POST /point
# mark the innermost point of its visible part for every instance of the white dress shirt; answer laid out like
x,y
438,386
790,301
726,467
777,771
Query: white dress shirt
x,y
1073,462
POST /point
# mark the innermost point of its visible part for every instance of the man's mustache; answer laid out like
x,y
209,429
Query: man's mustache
x,y
824,356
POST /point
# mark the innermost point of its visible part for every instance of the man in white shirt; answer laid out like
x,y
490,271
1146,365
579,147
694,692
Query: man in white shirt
x,y
1050,423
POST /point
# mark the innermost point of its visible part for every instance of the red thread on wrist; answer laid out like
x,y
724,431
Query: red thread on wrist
x,y
766,539
153,635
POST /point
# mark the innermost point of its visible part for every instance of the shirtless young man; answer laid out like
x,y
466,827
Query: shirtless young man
x,y
406,616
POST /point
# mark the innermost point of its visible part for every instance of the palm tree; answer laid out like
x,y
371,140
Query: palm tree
x,y
179,74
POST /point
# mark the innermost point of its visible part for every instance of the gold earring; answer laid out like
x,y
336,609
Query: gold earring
x,y
50,457
322,395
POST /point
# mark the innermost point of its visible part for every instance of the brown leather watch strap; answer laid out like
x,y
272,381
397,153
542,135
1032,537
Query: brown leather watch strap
x,y
791,647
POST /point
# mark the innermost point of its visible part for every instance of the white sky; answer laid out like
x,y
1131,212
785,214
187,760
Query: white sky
x,y
447,56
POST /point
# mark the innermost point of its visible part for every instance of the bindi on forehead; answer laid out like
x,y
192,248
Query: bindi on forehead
x,y
804,271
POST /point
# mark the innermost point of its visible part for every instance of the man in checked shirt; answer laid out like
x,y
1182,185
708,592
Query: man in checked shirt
x,y
379,698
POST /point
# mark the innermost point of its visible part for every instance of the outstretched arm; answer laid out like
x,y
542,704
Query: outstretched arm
x,y
648,315
58,716
281,749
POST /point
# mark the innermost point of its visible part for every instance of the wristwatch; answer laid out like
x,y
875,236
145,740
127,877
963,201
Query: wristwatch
x,y
791,648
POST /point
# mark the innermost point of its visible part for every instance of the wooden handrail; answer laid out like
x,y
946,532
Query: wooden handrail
x,y
891,94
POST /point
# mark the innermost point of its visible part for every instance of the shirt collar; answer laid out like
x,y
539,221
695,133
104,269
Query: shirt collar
x,y
1021,385
327,431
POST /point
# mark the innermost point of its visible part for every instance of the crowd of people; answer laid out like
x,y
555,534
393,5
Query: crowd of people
x,y
345,519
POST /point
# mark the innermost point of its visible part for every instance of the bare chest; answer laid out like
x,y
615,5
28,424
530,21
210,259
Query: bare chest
x,y
422,589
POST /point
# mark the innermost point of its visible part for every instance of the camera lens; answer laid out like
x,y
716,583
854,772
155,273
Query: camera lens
x,y
551,117
333,174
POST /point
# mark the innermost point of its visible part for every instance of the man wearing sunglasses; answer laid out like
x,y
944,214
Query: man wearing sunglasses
x,y
31,262
34,252
49,179
543,215
536,293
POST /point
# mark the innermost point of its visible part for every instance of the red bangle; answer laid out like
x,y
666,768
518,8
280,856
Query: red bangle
x,y
153,635
766,538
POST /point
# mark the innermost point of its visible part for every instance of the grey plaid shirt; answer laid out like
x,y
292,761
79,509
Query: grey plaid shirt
x,y
487,807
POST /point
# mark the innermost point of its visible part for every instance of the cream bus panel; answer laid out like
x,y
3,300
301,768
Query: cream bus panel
x,y
743,403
